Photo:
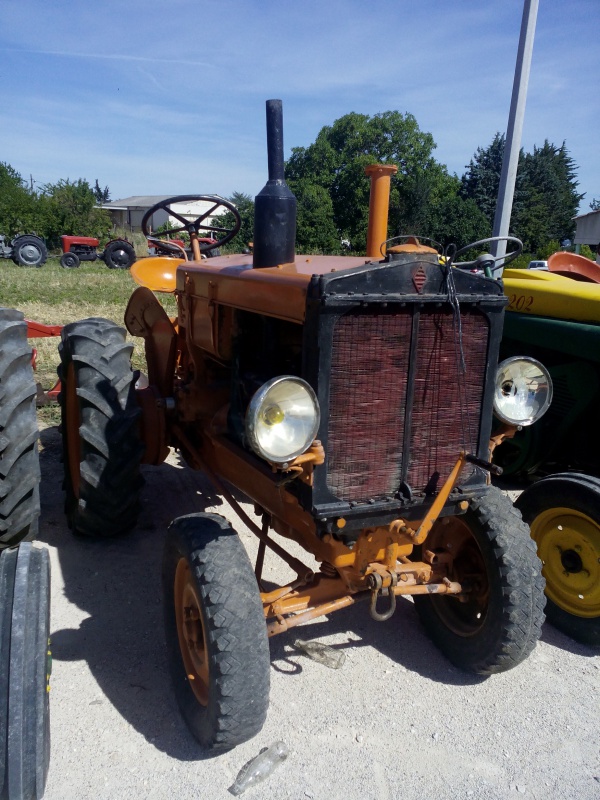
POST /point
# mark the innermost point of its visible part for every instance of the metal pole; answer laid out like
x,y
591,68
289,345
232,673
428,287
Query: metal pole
x,y
514,132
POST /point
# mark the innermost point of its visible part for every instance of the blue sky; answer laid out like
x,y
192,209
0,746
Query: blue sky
x,y
168,97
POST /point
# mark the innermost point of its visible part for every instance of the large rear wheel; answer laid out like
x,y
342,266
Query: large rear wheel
x,y
563,512
216,632
24,672
19,460
118,254
29,251
102,449
497,622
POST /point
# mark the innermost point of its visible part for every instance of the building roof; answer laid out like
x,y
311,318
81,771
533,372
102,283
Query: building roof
x,y
137,201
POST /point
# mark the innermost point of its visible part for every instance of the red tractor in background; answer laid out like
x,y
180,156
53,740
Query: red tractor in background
x,y
118,253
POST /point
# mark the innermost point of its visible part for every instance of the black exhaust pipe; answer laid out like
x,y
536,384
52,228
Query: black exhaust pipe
x,y
275,205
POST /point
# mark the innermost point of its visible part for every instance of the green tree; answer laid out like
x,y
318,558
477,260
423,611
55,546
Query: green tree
x,y
549,187
101,195
481,181
315,227
595,205
453,218
17,204
337,159
545,199
68,207
245,206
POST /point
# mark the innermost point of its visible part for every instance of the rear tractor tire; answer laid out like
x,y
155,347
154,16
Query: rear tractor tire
x,y
563,512
29,251
100,418
25,665
118,255
216,633
19,459
500,620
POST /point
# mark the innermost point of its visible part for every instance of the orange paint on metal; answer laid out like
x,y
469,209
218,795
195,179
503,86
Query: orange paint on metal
x,y
379,204
276,291
412,245
37,330
574,266
191,632
440,501
156,273
281,625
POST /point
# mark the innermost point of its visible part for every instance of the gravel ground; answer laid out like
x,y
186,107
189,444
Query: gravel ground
x,y
397,720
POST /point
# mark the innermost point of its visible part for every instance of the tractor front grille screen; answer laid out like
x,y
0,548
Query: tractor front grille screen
x,y
447,401
370,369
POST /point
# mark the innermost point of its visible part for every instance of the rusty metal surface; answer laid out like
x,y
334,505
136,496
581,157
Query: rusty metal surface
x,y
232,281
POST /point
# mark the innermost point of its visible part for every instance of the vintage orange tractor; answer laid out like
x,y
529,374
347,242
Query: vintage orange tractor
x,y
350,399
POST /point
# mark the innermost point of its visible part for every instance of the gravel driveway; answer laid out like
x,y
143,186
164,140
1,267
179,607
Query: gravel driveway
x,y
396,721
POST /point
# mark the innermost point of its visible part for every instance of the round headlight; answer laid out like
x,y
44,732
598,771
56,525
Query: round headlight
x,y
523,391
282,419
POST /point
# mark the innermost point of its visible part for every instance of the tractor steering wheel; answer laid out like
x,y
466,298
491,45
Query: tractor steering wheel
x,y
476,262
194,226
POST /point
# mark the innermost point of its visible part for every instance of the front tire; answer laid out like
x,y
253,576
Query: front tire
x,y
69,260
19,459
563,512
119,255
100,418
500,620
216,633
24,672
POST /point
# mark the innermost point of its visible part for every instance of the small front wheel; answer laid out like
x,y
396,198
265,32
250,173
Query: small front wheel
x,y
496,623
69,260
216,632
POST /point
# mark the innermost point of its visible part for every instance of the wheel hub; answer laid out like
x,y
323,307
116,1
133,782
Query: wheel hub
x,y
120,257
569,546
30,253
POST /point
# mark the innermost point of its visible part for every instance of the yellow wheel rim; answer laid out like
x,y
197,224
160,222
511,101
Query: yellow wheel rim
x,y
568,544
191,632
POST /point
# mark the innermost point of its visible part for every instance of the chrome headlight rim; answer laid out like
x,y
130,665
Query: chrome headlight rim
x,y
252,415
526,422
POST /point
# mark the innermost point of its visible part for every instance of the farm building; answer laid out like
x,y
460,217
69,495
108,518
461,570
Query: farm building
x,y
129,212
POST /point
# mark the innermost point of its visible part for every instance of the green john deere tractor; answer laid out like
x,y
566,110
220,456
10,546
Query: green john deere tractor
x,y
554,316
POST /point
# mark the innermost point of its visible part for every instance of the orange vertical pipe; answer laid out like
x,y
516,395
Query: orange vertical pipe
x,y
379,206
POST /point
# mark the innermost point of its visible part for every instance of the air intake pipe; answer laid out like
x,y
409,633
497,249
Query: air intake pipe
x,y
275,205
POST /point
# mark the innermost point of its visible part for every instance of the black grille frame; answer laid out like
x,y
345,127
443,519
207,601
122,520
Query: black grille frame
x,y
384,289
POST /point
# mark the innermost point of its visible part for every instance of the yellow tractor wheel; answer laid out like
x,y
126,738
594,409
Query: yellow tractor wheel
x,y
563,512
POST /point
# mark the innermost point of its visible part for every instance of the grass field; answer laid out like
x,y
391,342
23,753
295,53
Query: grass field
x,y
55,296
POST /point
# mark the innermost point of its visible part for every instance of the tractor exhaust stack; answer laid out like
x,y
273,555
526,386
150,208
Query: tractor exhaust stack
x,y
275,205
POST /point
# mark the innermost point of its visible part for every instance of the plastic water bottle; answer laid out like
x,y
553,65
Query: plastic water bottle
x,y
260,767
321,653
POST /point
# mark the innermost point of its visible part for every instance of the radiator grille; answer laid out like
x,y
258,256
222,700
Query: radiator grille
x,y
369,370
447,402
368,394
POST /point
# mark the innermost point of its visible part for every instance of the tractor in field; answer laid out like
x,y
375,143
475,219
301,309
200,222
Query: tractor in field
x,y
351,400
554,316
118,253
26,250
24,577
